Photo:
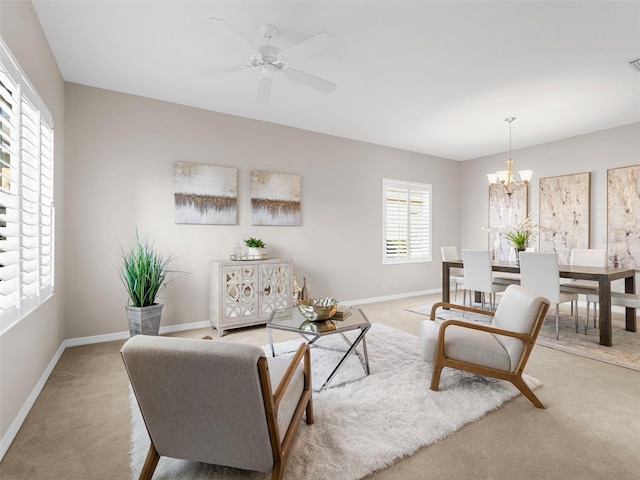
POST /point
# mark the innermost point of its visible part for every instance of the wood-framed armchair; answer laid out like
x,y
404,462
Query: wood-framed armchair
x,y
214,401
499,350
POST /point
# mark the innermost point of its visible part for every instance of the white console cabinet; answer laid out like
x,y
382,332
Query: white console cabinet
x,y
245,292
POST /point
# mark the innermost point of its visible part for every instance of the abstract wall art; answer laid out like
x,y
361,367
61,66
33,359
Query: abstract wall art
x,y
205,194
503,212
276,198
623,217
564,214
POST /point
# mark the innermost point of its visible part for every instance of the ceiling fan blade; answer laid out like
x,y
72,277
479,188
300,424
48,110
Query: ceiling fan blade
x,y
312,45
230,69
236,33
309,80
264,89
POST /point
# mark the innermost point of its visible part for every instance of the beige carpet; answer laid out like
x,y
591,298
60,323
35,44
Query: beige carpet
x,y
79,427
625,351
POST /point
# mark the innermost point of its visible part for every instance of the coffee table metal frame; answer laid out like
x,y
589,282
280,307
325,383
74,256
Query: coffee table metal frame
x,y
291,320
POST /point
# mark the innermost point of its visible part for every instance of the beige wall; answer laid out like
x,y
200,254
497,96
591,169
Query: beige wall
x,y
595,152
120,155
28,347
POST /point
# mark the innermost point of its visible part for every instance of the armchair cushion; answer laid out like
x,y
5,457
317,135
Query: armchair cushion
x,y
516,312
472,346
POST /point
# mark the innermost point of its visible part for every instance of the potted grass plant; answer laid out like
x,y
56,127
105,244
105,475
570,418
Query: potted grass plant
x,y
143,272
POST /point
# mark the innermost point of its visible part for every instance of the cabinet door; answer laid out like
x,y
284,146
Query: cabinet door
x,y
240,300
275,287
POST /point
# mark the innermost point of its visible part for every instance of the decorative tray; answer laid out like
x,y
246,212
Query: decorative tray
x,y
243,257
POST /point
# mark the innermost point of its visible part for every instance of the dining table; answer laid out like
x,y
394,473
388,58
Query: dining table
x,y
603,275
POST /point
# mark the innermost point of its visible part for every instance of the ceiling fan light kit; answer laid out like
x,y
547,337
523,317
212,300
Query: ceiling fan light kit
x,y
270,60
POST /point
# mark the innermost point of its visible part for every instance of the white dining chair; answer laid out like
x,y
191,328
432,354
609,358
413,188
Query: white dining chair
x,y
539,272
456,277
507,277
478,276
585,257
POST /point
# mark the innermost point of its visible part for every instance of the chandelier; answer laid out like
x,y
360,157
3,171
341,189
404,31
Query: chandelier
x,y
505,177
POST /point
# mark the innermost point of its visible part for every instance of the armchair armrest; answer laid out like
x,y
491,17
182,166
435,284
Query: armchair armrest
x,y
455,306
484,328
301,353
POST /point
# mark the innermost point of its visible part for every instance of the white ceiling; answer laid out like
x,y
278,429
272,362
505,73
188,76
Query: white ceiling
x,y
434,77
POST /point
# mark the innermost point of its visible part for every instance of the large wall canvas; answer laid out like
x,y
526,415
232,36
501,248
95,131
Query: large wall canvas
x,y
564,214
623,216
503,212
276,198
205,194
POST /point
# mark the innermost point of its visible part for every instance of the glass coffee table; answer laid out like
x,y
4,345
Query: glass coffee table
x,y
291,320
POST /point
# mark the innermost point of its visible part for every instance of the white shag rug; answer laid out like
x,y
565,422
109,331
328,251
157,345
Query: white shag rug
x,y
364,425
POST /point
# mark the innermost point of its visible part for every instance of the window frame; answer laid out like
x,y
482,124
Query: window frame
x,y
27,212
424,252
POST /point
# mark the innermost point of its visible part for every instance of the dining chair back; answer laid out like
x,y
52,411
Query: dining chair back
x,y
586,257
478,275
456,277
539,272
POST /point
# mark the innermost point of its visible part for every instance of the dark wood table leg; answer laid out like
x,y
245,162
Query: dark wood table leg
x,y
630,313
446,287
604,287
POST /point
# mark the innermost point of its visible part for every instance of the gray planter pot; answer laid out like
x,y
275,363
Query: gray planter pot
x,y
144,320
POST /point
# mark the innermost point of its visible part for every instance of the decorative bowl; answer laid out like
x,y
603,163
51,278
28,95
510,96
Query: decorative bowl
x,y
317,309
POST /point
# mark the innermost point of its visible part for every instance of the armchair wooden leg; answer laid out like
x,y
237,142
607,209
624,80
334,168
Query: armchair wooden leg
x,y
277,473
521,385
435,378
150,463
309,412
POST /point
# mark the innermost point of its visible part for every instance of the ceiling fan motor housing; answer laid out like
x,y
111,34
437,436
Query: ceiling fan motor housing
x,y
269,55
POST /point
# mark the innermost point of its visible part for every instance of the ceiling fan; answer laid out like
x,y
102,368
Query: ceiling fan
x,y
270,60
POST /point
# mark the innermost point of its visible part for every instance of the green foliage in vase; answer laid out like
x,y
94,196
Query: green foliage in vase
x,y
520,233
254,243
143,272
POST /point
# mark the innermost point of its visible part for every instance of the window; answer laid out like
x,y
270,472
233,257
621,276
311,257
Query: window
x,y
26,195
406,217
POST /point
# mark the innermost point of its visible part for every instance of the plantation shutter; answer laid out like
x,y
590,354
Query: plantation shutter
x,y
26,195
419,223
9,141
46,208
396,222
406,222
29,142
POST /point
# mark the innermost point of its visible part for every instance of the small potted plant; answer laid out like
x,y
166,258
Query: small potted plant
x,y
254,246
520,234
143,272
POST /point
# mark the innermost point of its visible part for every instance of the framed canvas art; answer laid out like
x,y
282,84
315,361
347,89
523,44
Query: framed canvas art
x,y
623,220
503,212
564,214
275,198
205,194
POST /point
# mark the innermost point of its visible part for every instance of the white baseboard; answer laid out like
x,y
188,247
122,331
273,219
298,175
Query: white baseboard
x,y
390,297
109,337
